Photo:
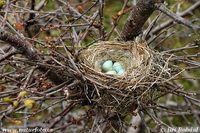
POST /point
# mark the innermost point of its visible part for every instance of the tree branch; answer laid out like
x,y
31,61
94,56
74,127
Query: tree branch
x,y
25,48
137,18
175,17
170,22
10,53
21,45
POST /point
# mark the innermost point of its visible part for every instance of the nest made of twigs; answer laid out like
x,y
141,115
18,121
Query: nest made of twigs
x,y
143,68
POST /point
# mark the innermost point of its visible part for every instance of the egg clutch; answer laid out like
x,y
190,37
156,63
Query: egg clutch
x,y
112,68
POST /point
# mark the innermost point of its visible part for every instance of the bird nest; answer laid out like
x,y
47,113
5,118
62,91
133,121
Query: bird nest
x,y
118,93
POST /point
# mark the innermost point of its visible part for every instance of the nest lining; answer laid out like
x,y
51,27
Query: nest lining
x,y
143,68
136,59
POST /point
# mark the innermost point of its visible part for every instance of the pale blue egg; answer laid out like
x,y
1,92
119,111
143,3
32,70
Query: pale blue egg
x,y
117,67
107,66
111,72
121,72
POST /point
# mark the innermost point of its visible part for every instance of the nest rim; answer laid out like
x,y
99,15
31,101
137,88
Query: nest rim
x,y
127,79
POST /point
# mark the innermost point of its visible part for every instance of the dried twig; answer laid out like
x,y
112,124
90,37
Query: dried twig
x,y
175,17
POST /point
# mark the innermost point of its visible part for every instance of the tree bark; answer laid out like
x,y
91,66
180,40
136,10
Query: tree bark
x,y
21,45
137,18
